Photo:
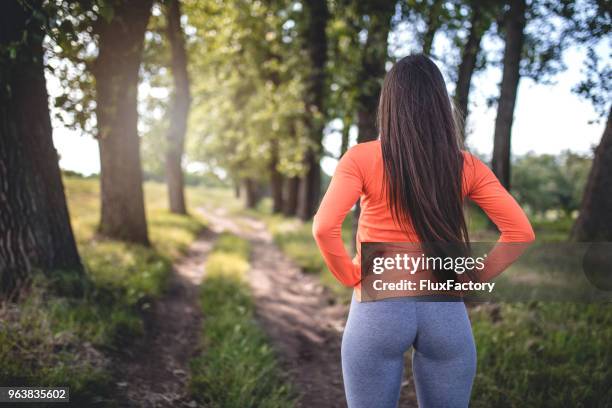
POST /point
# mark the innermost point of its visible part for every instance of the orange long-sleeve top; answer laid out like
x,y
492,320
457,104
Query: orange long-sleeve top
x,y
359,175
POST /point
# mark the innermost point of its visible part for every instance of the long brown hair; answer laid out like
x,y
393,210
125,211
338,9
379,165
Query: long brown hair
x,y
421,149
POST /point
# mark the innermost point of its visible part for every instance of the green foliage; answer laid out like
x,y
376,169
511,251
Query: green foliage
x,y
543,355
544,183
238,368
248,92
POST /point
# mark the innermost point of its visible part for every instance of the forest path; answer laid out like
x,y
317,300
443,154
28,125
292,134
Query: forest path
x,y
299,315
155,372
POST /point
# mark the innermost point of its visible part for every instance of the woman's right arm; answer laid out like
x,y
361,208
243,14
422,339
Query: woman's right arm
x,y
516,233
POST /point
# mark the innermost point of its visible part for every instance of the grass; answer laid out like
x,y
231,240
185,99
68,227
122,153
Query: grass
x,y
543,355
238,368
52,339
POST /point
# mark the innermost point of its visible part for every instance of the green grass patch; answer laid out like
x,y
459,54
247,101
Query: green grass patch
x,y
543,355
237,368
52,339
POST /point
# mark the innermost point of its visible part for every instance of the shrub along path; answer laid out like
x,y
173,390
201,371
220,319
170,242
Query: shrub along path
x,y
154,373
303,320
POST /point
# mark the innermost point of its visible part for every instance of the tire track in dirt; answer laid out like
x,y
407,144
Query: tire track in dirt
x,y
299,315
154,373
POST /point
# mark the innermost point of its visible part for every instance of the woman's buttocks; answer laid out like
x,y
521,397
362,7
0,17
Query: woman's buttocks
x,y
397,324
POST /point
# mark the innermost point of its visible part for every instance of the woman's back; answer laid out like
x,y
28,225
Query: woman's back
x,y
360,175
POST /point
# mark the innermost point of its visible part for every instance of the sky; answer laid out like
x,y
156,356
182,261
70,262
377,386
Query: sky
x,y
549,118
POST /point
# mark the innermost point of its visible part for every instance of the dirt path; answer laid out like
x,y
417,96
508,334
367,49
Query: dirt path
x,y
300,316
155,373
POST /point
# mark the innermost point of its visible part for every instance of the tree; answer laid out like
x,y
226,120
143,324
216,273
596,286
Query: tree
x,y
433,15
514,26
479,22
433,23
361,90
371,70
120,41
531,50
35,231
314,39
179,109
249,107
595,220
276,178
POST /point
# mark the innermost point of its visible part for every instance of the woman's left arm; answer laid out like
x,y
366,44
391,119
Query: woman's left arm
x,y
344,190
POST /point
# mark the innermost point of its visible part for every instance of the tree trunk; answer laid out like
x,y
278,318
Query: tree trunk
x,y
469,54
371,74
179,110
310,187
433,24
595,220
291,196
315,40
116,72
276,180
252,193
35,231
513,27
346,132
372,69
236,184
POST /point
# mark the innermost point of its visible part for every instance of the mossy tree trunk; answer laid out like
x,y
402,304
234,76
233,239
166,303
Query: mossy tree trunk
x,y
35,231
116,72
595,220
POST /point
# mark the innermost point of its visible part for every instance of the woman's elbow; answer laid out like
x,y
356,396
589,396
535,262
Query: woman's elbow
x,y
526,236
319,229
519,236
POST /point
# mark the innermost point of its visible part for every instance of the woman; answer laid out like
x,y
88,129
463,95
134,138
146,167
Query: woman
x,y
412,183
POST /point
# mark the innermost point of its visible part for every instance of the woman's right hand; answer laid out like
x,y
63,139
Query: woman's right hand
x,y
357,292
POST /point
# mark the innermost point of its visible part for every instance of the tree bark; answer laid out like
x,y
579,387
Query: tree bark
x,y
116,71
372,68
469,54
433,24
315,40
346,129
252,193
514,32
310,187
35,231
594,222
276,180
179,110
236,184
370,76
291,196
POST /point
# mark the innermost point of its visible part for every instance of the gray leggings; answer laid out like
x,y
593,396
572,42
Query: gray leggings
x,y
377,335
